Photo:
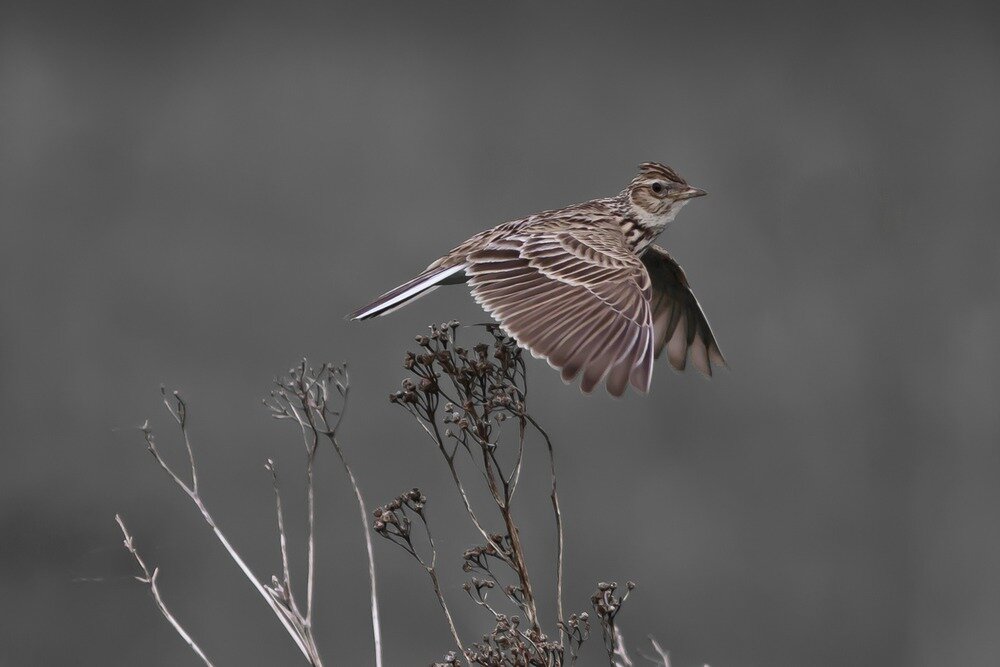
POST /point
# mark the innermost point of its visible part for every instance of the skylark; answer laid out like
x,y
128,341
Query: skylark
x,y
583,287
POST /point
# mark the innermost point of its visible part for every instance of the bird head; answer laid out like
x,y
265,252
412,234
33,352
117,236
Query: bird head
x,y
657,193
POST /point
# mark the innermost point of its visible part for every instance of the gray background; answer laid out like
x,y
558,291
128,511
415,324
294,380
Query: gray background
x,y
196,195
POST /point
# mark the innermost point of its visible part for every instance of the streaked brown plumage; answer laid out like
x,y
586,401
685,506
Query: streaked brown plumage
x,y
583,287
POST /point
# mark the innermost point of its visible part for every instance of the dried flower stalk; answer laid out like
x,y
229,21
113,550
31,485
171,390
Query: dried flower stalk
x,y
305,396
462,399
149,578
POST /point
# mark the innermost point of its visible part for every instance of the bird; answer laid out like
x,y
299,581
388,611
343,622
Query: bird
x,y
583,286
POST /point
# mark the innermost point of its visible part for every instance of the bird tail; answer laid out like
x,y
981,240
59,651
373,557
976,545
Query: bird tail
x,y
398,297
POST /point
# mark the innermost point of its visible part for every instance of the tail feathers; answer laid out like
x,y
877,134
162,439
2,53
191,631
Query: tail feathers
x,y
398,297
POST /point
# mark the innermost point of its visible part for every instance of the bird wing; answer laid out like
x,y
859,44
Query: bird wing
x,y
578,297
679,323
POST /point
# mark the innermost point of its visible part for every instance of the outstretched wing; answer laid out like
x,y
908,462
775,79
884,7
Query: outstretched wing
x,y
578,297
679,324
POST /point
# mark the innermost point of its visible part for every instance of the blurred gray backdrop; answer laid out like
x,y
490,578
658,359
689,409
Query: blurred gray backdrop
x,y
196,193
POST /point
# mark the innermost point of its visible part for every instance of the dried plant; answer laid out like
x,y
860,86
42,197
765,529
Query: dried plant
x,y
149,578
472,404
394,522
607,605
306,397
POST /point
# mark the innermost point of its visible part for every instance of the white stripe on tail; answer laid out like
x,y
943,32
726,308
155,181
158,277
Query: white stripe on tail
x,y
426,282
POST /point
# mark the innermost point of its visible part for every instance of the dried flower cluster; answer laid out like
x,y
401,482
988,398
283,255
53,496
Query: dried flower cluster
x,y
463,398
394,520
607,605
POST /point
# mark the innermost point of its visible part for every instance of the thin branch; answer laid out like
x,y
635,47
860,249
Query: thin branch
x,y
662,659
311,392
554,496
516,549
311,565
437,438
515,474
180,416
312,446
344,386
300,636
393,522
369,549
432,571
620,657
149,578
272,467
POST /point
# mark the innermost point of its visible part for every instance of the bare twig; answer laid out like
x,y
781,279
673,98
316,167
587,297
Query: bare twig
x,y
180,416
393,522
149,578
305,397
342,382
376,626
311,510
516,547
432,572
554,497
286,587
301,386
619,657
299,631
450,460
661,659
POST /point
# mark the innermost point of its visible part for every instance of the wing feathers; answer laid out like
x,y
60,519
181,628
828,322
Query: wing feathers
x,y
581,304
581,299
679,323
408,291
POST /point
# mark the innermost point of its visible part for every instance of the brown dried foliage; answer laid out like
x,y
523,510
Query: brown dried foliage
x,y
471,403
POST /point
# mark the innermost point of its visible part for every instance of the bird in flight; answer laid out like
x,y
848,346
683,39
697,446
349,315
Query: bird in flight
x,y
583,286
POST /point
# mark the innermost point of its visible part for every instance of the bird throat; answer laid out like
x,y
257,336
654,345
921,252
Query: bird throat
x,y
641,227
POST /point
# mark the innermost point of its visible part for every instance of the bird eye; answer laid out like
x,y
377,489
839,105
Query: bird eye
x,y
656,187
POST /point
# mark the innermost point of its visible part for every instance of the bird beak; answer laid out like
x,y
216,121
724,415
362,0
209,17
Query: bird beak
x,y
690,193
